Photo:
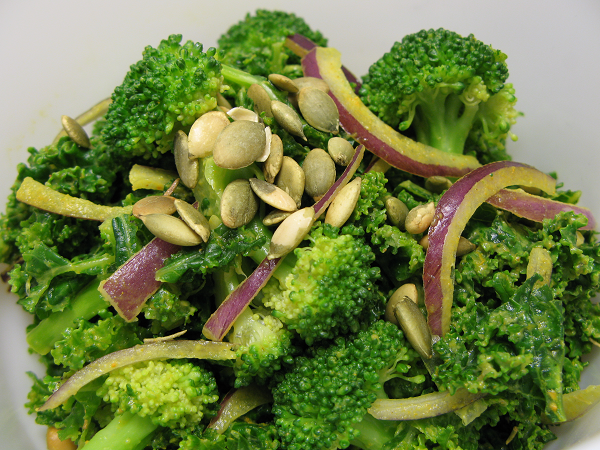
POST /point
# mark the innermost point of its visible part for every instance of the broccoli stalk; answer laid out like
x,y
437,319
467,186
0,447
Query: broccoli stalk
x,y
449,91
127,431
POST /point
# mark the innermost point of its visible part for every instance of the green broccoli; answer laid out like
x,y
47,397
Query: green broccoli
x,y
240,435
326,288
264,343
449,91
322,402
166,91
173,394
257,43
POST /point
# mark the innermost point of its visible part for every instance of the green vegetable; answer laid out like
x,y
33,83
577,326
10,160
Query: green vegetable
x,y
449,91
256,44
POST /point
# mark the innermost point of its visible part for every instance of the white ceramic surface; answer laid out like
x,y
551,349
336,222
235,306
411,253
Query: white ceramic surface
x,y
60,57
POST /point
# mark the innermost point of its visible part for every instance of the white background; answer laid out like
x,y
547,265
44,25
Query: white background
x,y
61,57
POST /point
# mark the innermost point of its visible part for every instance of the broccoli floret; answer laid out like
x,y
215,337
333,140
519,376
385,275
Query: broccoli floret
x,y
239,435
322,402
174,394
264,343
168,89
329,289
257,43
449,91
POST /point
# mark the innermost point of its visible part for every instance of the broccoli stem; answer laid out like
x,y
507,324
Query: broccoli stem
x,y
85,305
244,79
126,431
374,433
444,121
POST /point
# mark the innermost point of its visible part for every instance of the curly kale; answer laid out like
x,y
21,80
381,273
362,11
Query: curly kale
x,y
447,90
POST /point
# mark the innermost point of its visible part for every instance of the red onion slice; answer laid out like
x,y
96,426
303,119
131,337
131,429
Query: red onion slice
x,y
135,282
381,139
237,403
221,321
301,45
453,211
535,208
135,354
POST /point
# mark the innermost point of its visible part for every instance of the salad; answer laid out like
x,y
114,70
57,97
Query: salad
x,y
253,247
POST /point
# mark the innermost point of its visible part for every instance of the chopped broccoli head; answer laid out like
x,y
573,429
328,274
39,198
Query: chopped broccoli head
x,y
435,84
166,91
330,289
174,394
257,43
321,402
263,344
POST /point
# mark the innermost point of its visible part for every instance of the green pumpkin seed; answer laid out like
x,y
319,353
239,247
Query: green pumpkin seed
x,y
343,204
319,110
291,179
155,204
287,118
291,232
273,163
193,218
186,168
75,131
171,229
283,83
319,172
262,101
239,144
272,195
238,204
203,133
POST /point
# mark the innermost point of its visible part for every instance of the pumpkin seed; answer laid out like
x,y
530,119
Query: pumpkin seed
x,y
464,245
267,150
276,216
343,204
291,179
419,218
283,83
408,290
193,218
272,195
171,229
319,172
287,118
262,101
75,131
291,232
204,132
239,144
540,262
155,204
241,113
238,204
396,211
311,82
319,110
273,163
223,102
437,184
186,167
413,323
340,150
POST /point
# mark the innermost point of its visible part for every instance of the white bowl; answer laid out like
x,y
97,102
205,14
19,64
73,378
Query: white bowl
x,y
60,57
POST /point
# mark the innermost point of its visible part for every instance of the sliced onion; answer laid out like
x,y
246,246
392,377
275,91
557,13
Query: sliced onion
x,y
237,403
221,321
423,406
301,45
138,353
453,211
135,282
43,197
535,208
379,138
